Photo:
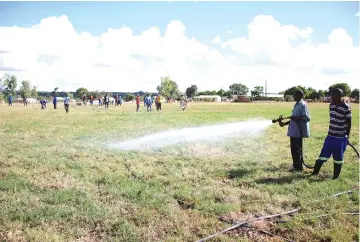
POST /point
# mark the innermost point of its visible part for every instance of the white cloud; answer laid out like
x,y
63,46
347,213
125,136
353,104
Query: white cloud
x,y
216,40
357,14
229,32
52,54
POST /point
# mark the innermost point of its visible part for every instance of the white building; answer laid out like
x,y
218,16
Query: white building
x,y
207,98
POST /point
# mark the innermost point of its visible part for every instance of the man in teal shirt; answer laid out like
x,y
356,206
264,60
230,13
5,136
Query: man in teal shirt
x,y
298,129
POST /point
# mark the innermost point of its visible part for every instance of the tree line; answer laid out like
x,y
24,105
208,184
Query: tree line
x,y
169,89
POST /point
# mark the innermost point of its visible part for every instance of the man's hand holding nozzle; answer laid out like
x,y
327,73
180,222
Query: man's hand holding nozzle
x,y
279,120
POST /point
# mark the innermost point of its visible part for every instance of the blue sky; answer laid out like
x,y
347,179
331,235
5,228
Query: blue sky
x,y
134,63
203,20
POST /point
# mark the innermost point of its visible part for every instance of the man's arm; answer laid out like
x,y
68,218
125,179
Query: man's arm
x,y
295,118
348,117
348,127
306,114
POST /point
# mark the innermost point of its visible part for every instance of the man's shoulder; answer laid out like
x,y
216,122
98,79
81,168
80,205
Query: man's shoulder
x,y
302,103
345,105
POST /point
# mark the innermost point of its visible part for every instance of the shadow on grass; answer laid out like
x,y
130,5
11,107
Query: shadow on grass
x,y
239,173
289,179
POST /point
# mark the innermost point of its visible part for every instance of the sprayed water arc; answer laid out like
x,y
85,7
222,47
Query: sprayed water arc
x,y
188,135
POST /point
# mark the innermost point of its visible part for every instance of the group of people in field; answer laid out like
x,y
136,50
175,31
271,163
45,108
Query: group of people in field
x,y
148,101
105,101
117,101
102,101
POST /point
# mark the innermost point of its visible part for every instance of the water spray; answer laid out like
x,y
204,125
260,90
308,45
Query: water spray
x,y
193,135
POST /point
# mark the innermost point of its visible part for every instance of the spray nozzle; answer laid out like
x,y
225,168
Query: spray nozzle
x,y
281,117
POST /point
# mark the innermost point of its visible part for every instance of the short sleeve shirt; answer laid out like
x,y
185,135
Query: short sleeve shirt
x,y
338,117
300,129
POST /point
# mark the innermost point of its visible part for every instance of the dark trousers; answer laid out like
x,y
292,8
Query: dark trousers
x,y
148,108
66,107
106,104
137,107
54,105
296,145
158,106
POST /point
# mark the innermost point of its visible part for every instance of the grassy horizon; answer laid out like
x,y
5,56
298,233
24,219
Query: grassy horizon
x,y
60,182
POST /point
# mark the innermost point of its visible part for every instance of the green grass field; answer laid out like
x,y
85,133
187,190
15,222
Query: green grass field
x,y
58,182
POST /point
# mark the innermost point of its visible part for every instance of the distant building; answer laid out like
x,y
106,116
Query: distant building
x,y
274,95
29,100
207,98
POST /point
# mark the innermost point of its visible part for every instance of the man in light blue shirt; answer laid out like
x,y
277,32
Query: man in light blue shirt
x,y
298,129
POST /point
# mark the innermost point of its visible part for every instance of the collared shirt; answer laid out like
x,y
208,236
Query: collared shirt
x,y
67,100
300,129
338,117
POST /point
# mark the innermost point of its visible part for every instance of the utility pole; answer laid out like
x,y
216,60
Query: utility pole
x,y
265,88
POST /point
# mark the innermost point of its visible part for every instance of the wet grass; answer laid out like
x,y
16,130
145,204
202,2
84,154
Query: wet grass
x,y
59,182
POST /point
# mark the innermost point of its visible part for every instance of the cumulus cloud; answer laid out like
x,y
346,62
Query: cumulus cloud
x,y
52,54
216,40
357,14
229,32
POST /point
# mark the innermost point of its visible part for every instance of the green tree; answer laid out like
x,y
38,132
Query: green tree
x,y
227,93
291,91
239,89
25,89
2,97
168,88
343,86
256,93
81,91
34,92
54,93
355,94
311,93
129,97
10,83
221,92
322,93
191,91
70,95
95,94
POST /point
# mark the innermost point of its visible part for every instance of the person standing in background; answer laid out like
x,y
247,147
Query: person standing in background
x,y
106,100
158,102
100,101
148,102
10,99
120,100
84,99
25,101
55,102
116,99
137,99
67,103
